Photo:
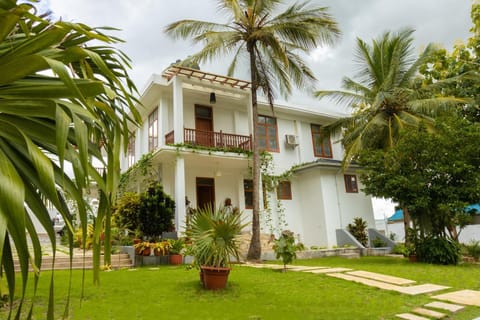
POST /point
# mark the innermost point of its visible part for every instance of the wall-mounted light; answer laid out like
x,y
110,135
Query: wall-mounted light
x,y
213,98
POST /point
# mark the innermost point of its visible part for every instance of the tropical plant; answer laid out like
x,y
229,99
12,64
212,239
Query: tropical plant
x,y
214,237
156,212
162,247
141,247
176,245
126,211
359,230
438,250
286,248
62,101
270,44
386,98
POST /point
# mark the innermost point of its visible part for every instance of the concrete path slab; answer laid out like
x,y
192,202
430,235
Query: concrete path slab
x,y
263,266
381,277
421,288
304,268
413,290
429,313
409,316
329,270
368,282
466,297
445,306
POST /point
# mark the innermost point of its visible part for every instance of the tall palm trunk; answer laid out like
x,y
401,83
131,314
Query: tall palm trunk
x,y
255,249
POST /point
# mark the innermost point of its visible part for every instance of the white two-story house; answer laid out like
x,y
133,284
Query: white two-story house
x,y
198,127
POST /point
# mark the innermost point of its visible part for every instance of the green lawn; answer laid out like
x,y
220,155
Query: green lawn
x,y
175,293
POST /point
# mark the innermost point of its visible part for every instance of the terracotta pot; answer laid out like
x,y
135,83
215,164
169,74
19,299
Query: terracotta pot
x,y
215,278
175,259
157,252
146,252
413,258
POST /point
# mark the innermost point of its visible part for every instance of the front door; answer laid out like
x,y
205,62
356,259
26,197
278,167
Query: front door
x,y
205,193
204,126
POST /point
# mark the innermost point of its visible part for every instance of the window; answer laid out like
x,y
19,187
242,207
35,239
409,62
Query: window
x,y
131,151
267,133
321,142
284,190
248,191
153,130
351,185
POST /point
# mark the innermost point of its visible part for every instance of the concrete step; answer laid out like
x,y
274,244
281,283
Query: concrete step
x,y
79,262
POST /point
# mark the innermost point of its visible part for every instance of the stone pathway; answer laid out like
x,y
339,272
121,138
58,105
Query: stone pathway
x,y
432,310
381,277
466,297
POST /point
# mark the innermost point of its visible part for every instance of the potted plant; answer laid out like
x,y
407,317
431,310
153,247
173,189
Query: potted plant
x,y
175,251
213,234
143,248
161,248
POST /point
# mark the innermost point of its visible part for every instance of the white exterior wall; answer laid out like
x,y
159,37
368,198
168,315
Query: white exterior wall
x,y
333,209
314,228
353,205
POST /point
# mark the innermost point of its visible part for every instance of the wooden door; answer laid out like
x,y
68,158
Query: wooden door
x,y
205,193
204,126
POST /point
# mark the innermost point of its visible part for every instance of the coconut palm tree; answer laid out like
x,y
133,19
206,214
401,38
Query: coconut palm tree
x,y
62,101
271,44
386,97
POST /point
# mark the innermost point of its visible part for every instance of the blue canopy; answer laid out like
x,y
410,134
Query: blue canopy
x,y
398,215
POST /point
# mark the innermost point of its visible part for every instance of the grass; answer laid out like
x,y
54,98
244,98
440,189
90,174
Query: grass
x,y
175,293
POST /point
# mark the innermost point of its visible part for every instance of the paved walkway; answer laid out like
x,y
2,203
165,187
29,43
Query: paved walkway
x,y
451,302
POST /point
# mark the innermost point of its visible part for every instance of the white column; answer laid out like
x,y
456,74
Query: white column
x,y
177,110
180,215
161,129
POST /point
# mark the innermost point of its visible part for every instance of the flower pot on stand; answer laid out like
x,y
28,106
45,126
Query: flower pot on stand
x,y
146,252
175,259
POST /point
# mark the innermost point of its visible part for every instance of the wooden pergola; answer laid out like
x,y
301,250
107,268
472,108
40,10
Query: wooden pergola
x,y
173,71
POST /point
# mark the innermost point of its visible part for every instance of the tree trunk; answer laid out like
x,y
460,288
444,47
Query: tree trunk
x,y
255,249
406,224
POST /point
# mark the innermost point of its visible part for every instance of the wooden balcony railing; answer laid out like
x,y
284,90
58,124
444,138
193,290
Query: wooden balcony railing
x,y
213,139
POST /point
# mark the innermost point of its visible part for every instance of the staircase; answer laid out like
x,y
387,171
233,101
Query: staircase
x,y
62,262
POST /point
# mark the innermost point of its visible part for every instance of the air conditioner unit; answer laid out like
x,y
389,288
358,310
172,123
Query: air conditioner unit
x,y
291,139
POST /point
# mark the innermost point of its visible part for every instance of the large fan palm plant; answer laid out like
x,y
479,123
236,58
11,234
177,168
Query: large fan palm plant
x,y
271,43
62,100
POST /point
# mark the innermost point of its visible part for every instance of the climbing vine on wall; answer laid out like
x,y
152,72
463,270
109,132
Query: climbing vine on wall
x,y
270,183
142,173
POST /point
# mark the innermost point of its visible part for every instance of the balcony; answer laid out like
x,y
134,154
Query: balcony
x,y
212,139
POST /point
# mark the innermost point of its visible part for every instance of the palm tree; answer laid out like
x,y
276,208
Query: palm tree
x,y
271,44
61,100
387,96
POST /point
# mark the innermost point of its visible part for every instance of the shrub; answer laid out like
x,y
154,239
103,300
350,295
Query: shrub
x,y
378,243
359,230
286,248
400,249
473,249
156,212
126,211
438,250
